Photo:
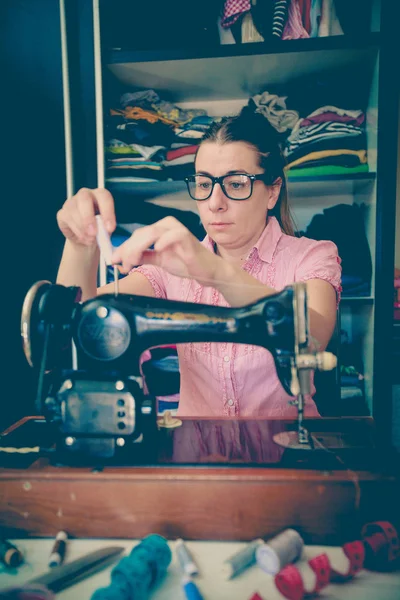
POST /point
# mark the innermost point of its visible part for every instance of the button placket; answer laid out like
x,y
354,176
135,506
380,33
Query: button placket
x,y
229,390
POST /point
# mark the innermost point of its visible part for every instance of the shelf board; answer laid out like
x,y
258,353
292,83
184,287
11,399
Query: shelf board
x,y
146,191
326,186
335,42
358,299
213,75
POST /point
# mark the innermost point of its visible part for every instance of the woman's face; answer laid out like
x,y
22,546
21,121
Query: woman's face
x,y
233,224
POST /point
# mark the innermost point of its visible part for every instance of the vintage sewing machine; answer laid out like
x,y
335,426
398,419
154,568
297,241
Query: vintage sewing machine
x,y
99,409
101,451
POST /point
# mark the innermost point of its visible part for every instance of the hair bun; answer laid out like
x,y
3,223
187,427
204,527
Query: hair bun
x,y
252,118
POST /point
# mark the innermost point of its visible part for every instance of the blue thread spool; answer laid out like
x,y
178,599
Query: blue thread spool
x,y
134,576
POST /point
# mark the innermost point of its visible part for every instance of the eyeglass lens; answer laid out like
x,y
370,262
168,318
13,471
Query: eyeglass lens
x,y
237,187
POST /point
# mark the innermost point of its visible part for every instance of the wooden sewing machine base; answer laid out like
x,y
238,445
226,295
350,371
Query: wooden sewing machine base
x,y
194,491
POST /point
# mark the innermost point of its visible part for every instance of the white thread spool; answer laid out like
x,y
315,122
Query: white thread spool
x,y
281,550
241,560
185,559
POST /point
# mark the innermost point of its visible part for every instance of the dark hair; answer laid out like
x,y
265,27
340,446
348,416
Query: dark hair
x,y
254,129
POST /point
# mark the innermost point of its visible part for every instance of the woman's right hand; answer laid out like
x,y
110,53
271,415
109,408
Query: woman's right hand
x,y
76,219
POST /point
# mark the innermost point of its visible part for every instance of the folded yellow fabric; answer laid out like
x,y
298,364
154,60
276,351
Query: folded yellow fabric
x,y
362,155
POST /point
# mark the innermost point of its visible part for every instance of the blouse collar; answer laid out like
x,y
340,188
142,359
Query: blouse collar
x,y
266,244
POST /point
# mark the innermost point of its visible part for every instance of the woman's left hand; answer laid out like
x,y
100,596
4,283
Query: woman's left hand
x,y
176,250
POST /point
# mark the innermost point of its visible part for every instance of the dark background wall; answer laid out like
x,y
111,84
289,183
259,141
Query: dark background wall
x,y
32,178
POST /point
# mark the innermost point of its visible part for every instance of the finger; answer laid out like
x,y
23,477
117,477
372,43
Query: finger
x,y
179,237
148,257
85,210
168,223
69,227
105,203
139,241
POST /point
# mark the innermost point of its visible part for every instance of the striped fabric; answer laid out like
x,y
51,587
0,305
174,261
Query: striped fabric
x,y
279,17
320,131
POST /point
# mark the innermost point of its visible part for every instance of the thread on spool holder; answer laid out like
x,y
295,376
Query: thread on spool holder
x,y
280,551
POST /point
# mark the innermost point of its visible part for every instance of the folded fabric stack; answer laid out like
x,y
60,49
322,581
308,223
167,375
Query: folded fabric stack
x,y
344,224
152,140
330,141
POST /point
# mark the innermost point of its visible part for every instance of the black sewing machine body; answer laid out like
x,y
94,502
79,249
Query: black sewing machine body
x,y
99,406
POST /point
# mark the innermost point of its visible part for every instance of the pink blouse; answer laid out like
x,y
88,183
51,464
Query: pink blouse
x,y
240,379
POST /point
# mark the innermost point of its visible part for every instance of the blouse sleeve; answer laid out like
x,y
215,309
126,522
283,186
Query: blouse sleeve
x,y
321,261
157,278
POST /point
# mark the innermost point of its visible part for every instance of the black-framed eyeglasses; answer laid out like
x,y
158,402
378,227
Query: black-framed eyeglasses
x,y
237,186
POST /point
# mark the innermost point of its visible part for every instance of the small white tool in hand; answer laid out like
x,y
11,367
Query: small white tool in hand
x,y
106,248
103,240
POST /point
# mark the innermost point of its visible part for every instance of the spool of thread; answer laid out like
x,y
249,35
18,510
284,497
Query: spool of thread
x,y
58,551
136,574
9,554
241,560
280,551
185,559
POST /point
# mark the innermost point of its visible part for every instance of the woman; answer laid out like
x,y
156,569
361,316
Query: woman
x,y
249,253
